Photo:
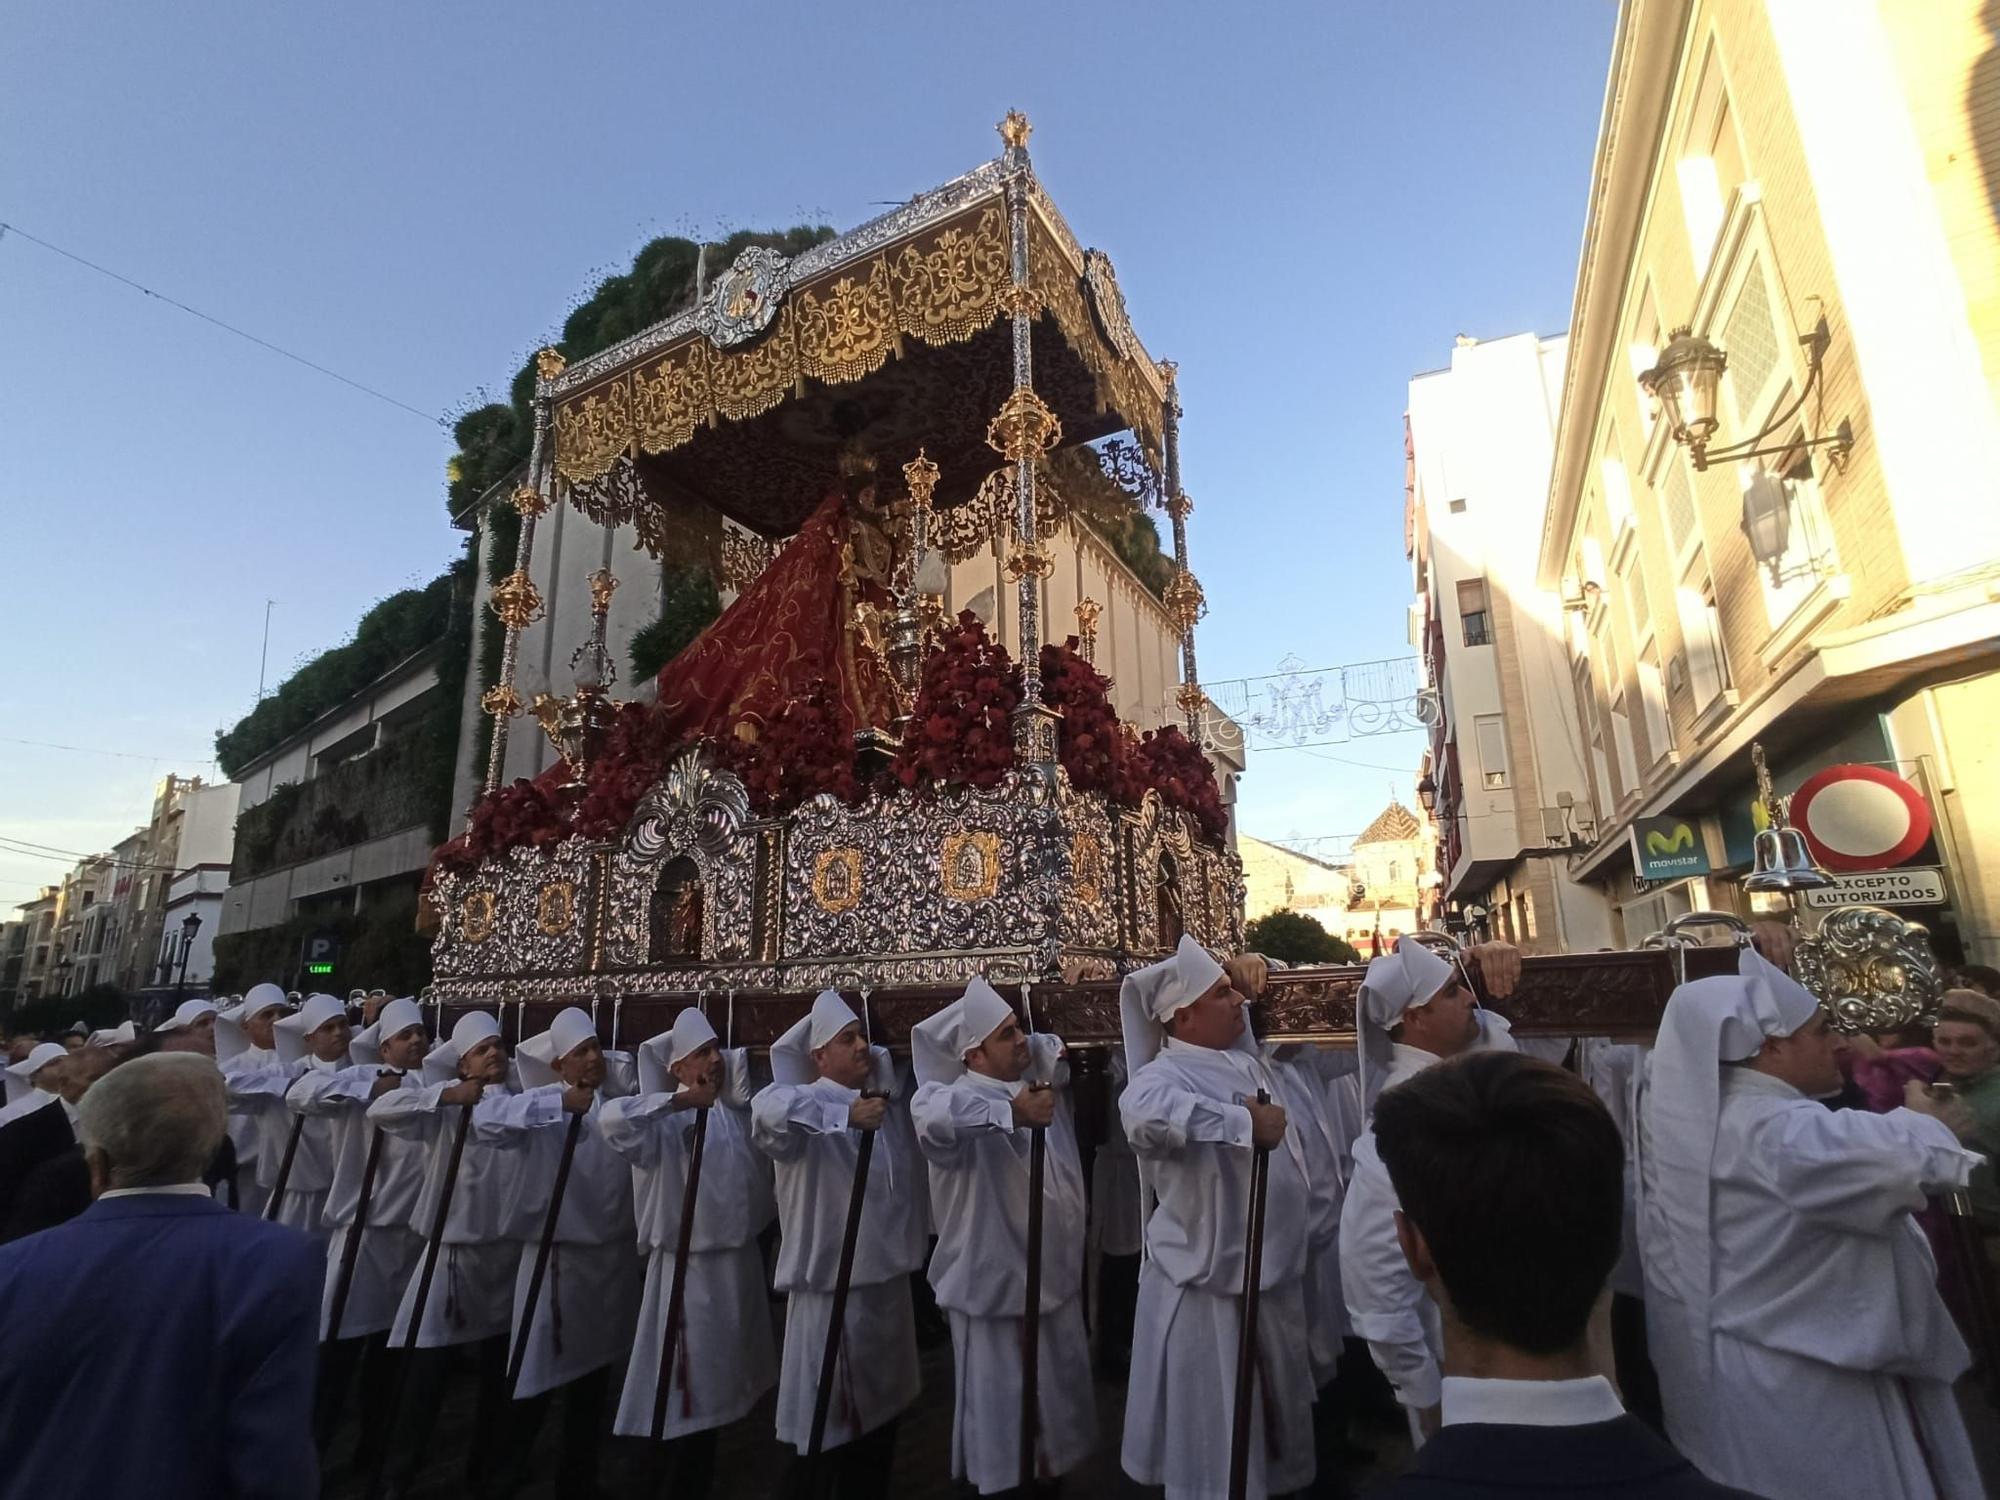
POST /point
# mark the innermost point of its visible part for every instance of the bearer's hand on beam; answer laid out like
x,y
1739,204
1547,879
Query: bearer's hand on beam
x,y
576,1099
1267,1123
866,1113
1499,966
1776,942
385,1083
700,1094
1035,1106
467,1091
1955,1114
1247,973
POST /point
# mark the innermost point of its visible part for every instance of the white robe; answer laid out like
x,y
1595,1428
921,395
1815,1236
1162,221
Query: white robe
x,y
1303,1091
261,1094
803,1129
979,1198
471,1295
1184,1116
249,1126
726,1359
1115,1228
583,1317
1828,1349
389,1246
1386,1304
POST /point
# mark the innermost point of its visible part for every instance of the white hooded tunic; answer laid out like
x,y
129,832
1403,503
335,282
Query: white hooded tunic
x,y
802,1126
725,1359
979,1166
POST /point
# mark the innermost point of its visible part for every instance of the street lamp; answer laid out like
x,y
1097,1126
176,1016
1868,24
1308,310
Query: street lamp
x,y
1427,794
188,929
1767,521
1683,384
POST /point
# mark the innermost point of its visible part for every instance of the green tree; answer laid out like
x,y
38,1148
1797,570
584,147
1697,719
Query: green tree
x,y
691,603
1297,939
494,439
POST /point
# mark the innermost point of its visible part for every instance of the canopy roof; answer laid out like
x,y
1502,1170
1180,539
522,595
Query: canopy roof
x,y
893,337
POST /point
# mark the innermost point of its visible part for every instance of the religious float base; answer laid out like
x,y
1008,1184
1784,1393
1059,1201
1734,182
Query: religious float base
x,y
1026,880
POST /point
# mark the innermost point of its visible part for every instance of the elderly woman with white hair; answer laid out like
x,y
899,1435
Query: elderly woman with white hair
x,y
210,1392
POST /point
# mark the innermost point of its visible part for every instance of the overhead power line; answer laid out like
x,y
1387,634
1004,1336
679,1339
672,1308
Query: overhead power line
x,y
197,760
278,349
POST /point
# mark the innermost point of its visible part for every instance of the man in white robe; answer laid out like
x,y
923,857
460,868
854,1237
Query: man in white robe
x,y
35,1081
1802,1346
582,1322
1193,1116
984,1086
313,1039
1116,1232
809,1121
191,1028
1416,1008
471,1296
244,1043
725,1358
386,1056
1304,1089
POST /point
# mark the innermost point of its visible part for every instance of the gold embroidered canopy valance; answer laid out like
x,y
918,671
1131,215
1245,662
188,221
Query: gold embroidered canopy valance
x,y
896,336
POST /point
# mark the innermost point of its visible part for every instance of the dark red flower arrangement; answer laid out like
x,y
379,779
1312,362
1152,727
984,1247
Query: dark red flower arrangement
x,y
1094,744
521,813
633,754
1173,765
960,733
807,749
961,730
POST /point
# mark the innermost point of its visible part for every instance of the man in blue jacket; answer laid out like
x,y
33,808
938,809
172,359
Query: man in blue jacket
x,y
158,1344
1509,1173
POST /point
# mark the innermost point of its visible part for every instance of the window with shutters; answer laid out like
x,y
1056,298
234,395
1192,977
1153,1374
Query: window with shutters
x,y
1490,734
1617,486
1642,349
1701,636
1474,618
1711,164
1676,490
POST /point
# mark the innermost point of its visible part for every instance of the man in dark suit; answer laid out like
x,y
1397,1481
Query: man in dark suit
x,y
158,1344
1509,1173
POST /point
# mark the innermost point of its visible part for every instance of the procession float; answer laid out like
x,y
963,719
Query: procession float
x,y
838,783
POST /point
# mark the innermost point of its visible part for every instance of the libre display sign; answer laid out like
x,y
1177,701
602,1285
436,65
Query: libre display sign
x,y
1668,848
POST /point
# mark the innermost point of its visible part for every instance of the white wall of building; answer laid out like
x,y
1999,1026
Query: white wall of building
x,y
1482,434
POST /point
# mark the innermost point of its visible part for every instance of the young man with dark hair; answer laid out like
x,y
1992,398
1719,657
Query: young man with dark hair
x,y
1509,1175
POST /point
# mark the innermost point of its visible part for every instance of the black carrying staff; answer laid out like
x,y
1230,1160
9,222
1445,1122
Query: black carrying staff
x,y
1246,1349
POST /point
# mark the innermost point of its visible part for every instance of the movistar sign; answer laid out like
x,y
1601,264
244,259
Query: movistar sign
x,y
1668,848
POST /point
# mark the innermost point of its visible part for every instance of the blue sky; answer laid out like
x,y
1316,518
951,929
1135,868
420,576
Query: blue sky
x,y
1306,202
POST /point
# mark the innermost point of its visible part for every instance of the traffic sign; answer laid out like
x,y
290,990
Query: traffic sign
x,y
1918,885
1861,817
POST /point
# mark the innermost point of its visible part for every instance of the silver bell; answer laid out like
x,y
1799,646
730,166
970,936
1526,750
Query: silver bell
x,y
1780,861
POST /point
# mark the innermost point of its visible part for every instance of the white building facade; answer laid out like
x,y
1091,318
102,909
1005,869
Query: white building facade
x,y
1506,759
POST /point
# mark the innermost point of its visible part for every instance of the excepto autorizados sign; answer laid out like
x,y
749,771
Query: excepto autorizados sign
x,y
1920,885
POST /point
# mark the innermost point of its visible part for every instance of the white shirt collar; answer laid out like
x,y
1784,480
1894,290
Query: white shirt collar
x,y
171,1189
1530,1403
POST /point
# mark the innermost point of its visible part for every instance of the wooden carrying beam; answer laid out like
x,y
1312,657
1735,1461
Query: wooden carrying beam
x,y
1616,995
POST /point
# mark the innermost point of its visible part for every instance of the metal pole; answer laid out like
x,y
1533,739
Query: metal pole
x,y
842,1277
1031,1313
542,1253
350,1252
1246,1349
1183,597
1023,431
515,599
677,1289
264,651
